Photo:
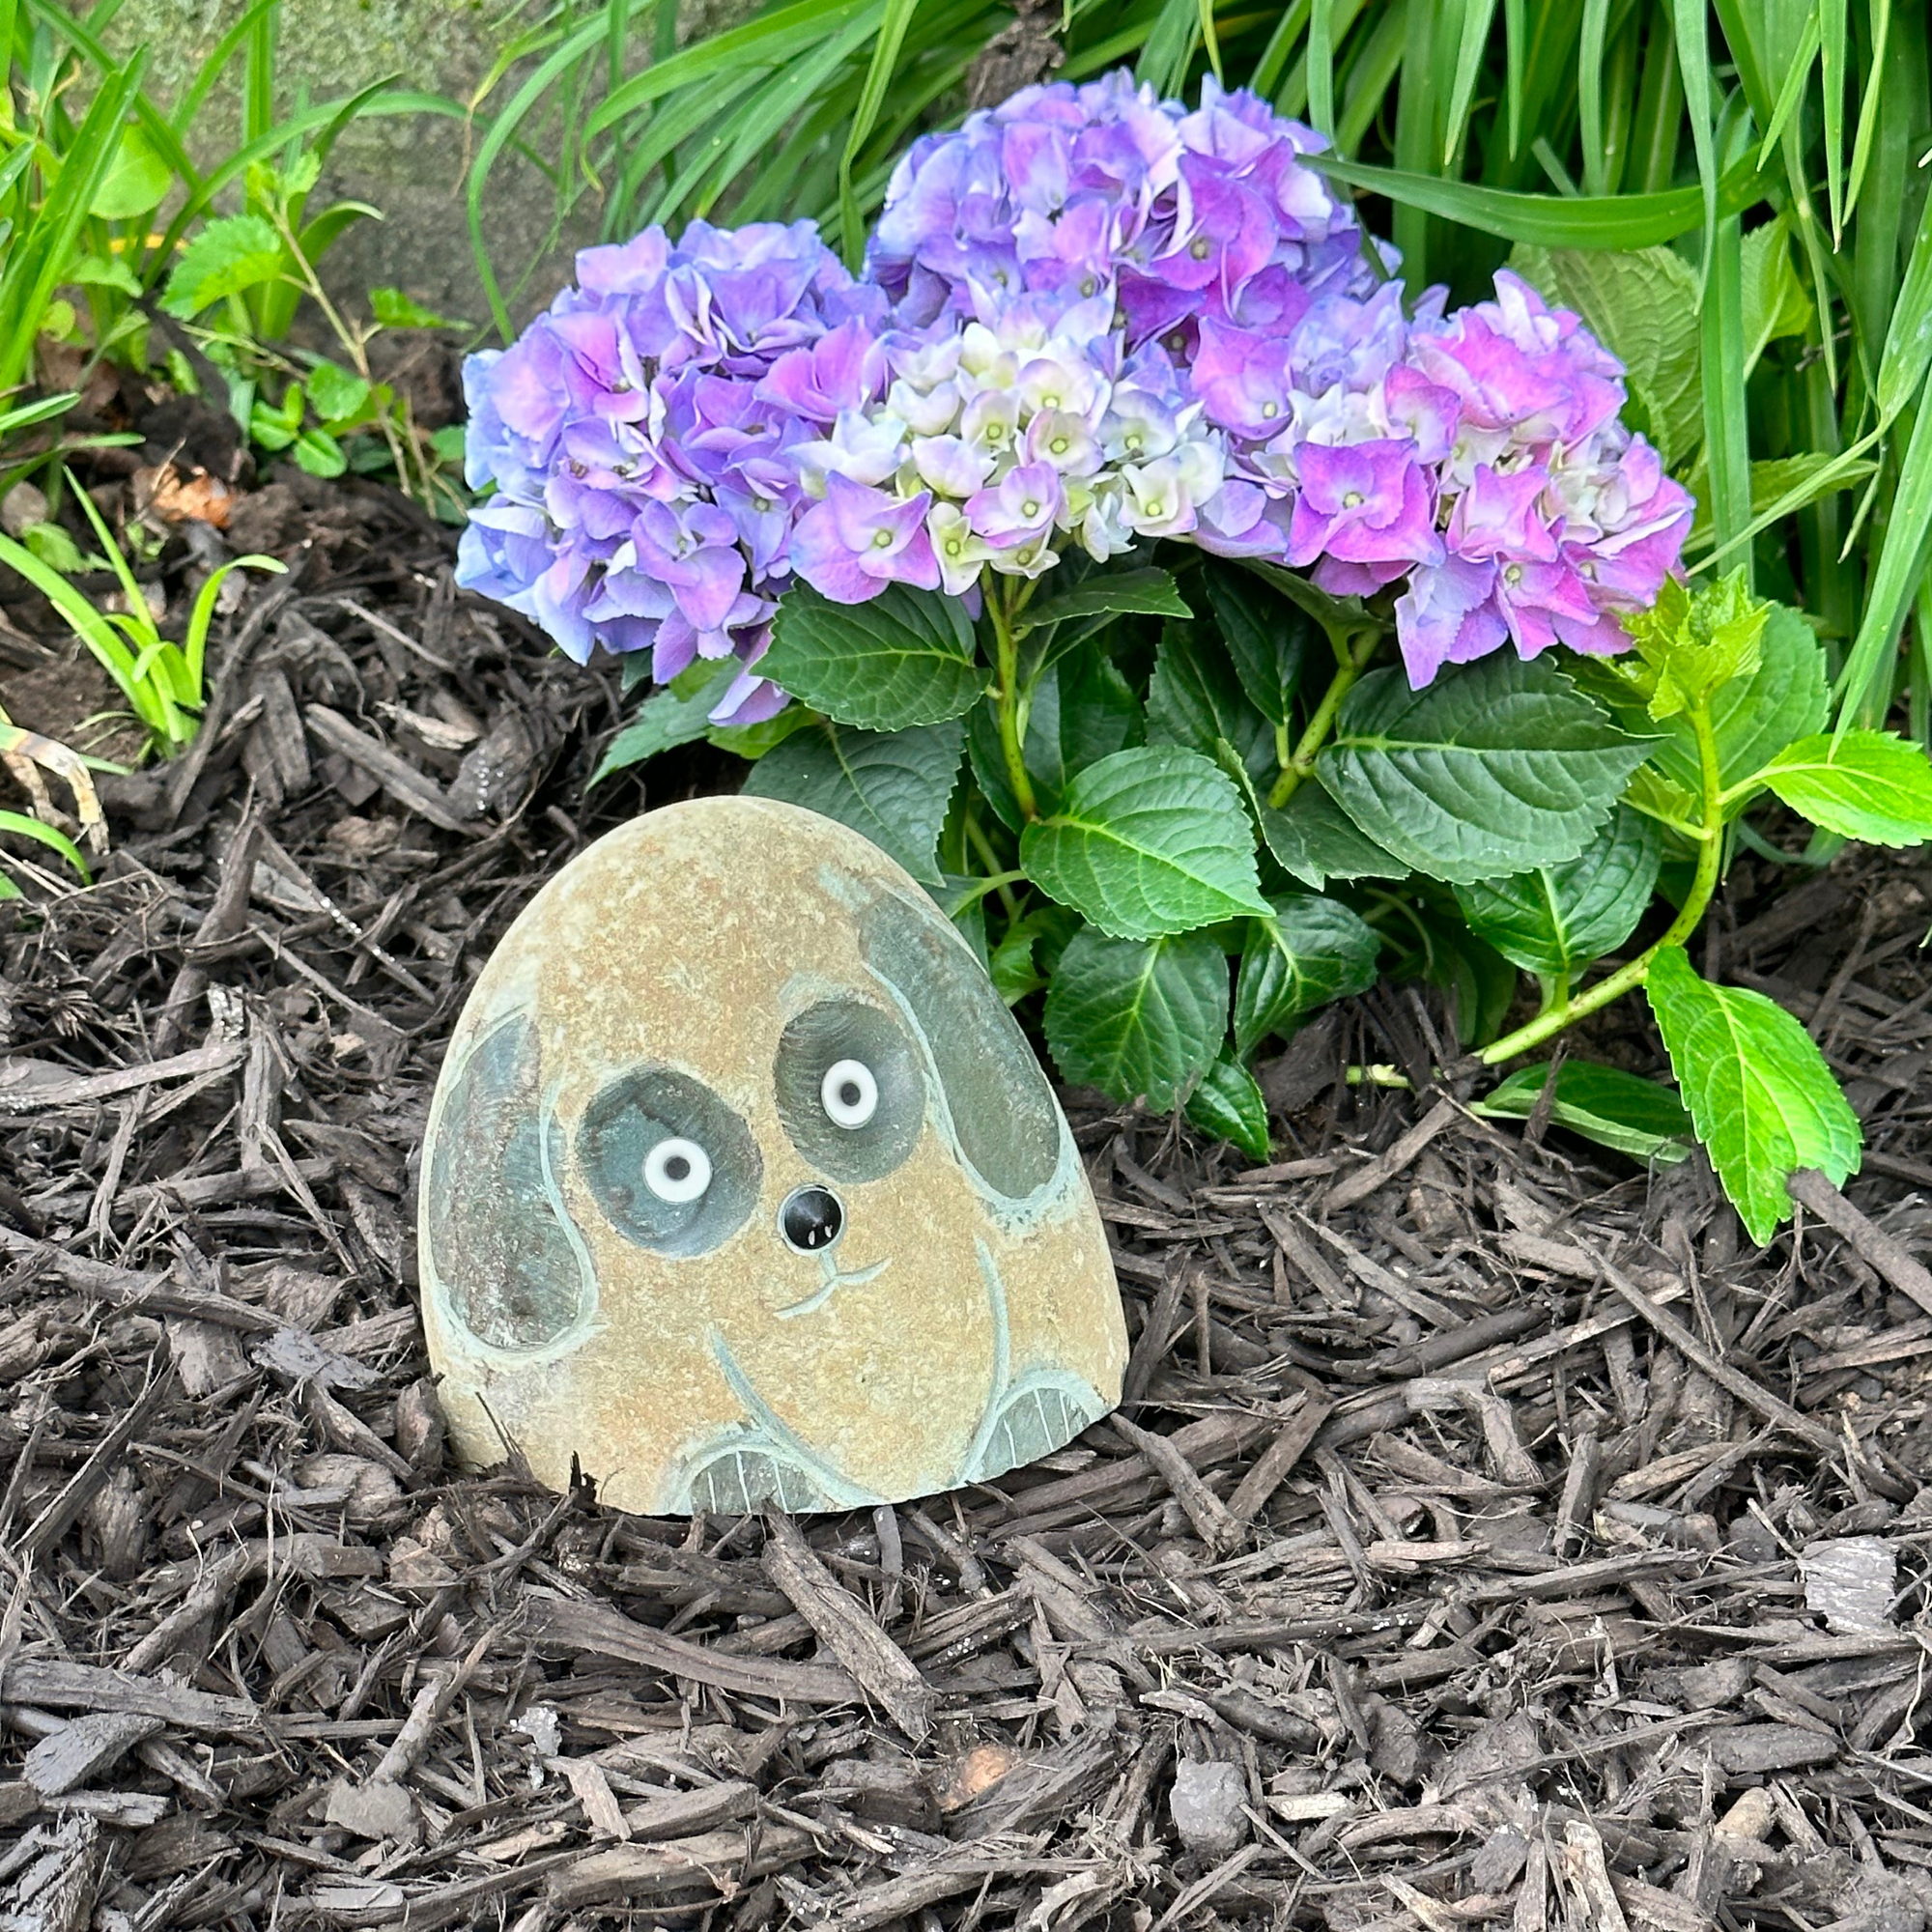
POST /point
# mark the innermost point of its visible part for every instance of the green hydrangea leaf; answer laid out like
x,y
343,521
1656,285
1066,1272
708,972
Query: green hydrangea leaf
x,y
1617,1110
891,787
1139,1019
1149,840
1311,952
1866,784
1760,1095
1267,636
1082,710
1557,919
1228,1105
1495,768
1196,699
903,658
673,716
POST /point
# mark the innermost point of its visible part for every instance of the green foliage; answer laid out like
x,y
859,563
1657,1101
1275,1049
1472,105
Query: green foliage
x,y
1865,784
1505,766
1309,951
1231,1106
894,788
1605,1104
160,680
1139,1018
903,658
1147,840
1560,920
1762,1098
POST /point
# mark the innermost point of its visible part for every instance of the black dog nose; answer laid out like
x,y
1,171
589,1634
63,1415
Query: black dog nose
x,y
811,1219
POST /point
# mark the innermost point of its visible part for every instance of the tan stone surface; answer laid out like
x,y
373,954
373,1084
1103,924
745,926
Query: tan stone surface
x,y
687,941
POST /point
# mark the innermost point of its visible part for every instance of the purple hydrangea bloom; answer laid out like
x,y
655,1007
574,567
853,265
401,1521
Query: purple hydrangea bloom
x,y
1089,317
641,436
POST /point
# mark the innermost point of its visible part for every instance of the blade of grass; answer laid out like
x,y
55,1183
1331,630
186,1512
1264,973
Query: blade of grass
x,y
1693,61
258,74
878,77
1590,94
1477,17
1793,90
1371,74
1895,104
80,617
23,827
1416,141
1516,38
1726,437
38,259
1660,109
1322,67
1834,54
1280,48
1210,38
1907,340
1552,221
1169,45
1895,583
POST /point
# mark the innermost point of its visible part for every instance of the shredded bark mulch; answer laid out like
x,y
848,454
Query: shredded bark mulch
x,y
1489,1533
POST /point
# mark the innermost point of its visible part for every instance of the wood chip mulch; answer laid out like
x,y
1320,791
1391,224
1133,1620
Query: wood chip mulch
x,y
1489,1534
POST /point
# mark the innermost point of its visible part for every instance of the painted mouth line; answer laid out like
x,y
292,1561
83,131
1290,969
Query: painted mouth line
x,y
833,1281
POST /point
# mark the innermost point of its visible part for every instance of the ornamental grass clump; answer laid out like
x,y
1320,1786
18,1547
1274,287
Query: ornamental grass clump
x,y
1211,632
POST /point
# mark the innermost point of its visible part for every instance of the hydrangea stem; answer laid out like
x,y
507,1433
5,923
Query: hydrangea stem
x,y
1710,835
1007,696
1352,655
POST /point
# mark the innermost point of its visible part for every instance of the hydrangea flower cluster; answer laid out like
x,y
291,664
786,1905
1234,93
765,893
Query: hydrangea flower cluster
x,y
639,437
1089,317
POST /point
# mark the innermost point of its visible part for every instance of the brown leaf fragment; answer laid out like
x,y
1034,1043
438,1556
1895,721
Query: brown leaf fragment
x,y
847,1628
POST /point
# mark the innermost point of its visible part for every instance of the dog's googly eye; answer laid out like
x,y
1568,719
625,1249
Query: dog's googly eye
x,y
677,1171
849,1093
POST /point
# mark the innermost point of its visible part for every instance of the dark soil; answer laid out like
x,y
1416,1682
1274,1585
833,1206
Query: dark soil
x,y
1489,1533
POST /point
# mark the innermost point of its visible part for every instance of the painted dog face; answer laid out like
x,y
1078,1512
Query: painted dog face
x,y
743,1186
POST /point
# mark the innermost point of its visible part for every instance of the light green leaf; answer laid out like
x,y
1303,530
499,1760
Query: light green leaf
x,y
237,252
1496,767
1774,302
1228,1105
892,787
1763,1099
1866,784
320,454
335,392
1267,637
1139,1019
1754,719
1150,593
102,271
1697,642
1082,710
1558,919
1642,305
21,826
1312,950
137,179
904,659
1149,840
1196,699
678,715
394,309
1617,1110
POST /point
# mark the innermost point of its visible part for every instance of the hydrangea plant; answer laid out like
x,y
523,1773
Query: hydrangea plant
x,y
1211,631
